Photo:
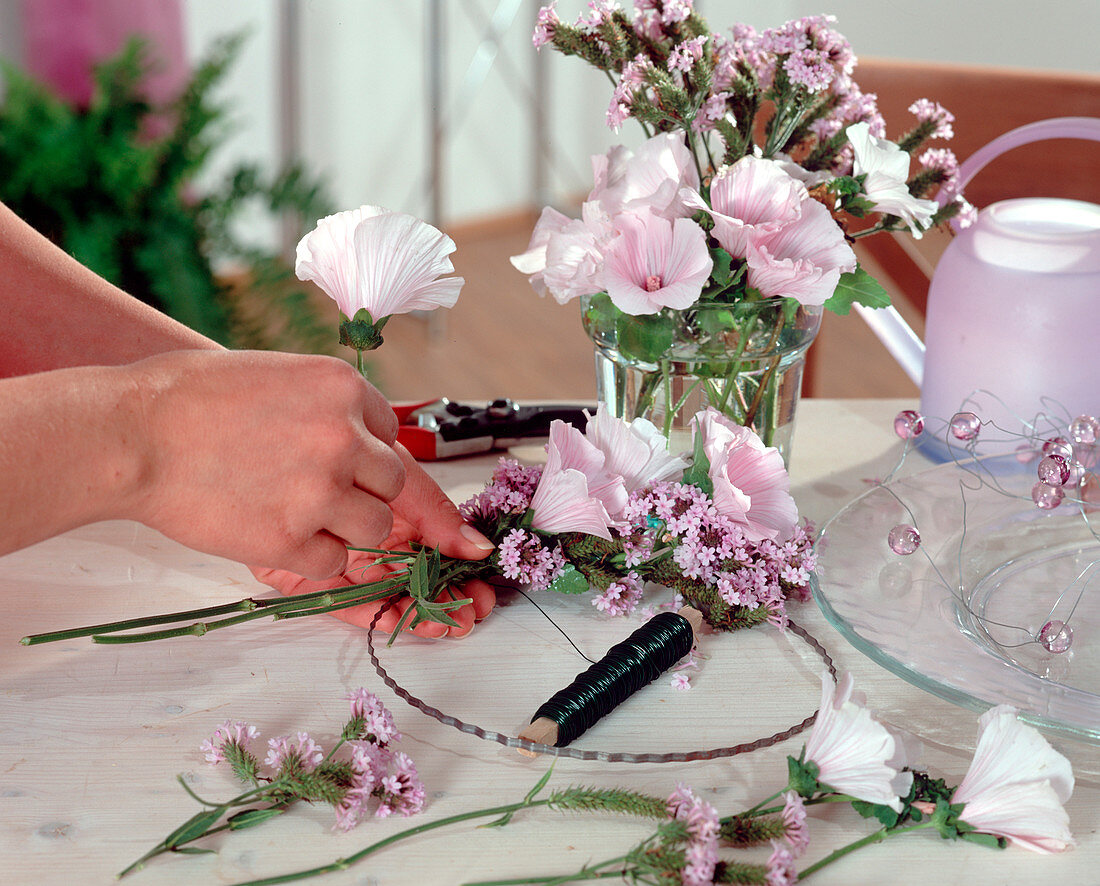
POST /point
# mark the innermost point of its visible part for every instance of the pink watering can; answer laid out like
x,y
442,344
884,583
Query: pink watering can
x,y
1014,306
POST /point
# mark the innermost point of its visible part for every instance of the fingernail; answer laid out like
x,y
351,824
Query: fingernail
x,y
476,538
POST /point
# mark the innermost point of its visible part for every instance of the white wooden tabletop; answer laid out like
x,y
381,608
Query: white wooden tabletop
x,y
92,737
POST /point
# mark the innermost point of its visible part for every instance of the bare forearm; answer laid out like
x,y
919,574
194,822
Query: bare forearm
x,y
56,313
69,451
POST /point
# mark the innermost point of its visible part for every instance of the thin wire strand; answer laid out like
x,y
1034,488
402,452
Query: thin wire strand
x,y
603,756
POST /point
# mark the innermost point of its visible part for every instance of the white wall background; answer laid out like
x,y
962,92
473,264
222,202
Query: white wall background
x,y
364,118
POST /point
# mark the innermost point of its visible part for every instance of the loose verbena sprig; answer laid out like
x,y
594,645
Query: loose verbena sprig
x,y
369,774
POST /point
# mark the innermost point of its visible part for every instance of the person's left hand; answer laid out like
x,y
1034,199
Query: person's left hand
x,y
421,513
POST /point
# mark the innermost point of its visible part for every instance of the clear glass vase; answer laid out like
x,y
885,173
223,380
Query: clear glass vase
x,y
744,359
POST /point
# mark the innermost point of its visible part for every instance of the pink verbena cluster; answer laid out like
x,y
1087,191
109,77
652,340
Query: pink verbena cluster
x,y
507,493
701,821
298,768
712,548
524,557
671,73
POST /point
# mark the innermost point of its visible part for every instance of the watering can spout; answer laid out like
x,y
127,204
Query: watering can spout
x,y
899,338
1007,293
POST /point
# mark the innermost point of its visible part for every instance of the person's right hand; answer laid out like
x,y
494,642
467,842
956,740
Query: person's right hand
x,y
271,459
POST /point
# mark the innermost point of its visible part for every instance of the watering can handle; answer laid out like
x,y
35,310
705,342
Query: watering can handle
x,y
886,323
1057,127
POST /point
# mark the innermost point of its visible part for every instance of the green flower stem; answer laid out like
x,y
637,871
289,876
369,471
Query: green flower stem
x,y
872,838
670,413
593,873
359,362
248,604
329,600
755,810
342,864
816,801
249,796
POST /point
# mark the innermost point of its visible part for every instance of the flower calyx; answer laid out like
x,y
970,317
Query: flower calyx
x,y
362,332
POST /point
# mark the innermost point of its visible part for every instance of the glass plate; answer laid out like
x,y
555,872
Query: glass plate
x,y
953,618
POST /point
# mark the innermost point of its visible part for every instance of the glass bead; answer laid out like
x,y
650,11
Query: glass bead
x,y
965,425
1084,429
908,424
1054,470
1056,636
1058,446
904,539
1046,497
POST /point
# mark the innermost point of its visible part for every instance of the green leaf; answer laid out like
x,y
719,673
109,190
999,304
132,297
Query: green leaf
x,y
884,814
802,776
571,581
987,840
194,850
194,827
845,185
645,338
857,287
252,817
722,262
698,475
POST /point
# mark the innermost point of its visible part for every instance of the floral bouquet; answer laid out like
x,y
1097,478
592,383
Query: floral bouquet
x,y
705,258
610,510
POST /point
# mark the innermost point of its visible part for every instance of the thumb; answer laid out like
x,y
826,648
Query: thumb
x,y
434,517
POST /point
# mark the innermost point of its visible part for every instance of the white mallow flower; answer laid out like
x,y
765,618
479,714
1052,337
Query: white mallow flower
x,y
1017,785
887,169
854,753
386,262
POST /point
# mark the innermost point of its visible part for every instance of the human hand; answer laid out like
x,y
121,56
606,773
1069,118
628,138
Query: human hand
x,y
267,458
421,513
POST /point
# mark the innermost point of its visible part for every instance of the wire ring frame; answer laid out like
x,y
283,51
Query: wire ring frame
x,y
603,756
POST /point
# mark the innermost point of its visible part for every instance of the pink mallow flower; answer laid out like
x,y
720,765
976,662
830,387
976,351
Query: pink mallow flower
x,y
634,450
386,262
1017,785
802,260
656,263
854,753
752,199
751,485
886,167
565,255
651,177
575,491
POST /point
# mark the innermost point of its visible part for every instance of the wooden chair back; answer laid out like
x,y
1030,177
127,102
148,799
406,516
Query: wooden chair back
x,y
987,102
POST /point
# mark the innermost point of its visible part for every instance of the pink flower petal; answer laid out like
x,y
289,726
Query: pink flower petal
x,y
802,260
656,263
751,199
